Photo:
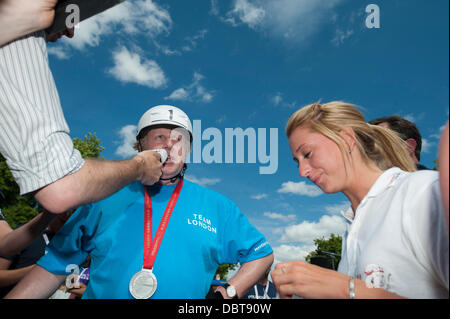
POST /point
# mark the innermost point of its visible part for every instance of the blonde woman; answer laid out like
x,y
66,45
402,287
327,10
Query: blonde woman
x,y
396,244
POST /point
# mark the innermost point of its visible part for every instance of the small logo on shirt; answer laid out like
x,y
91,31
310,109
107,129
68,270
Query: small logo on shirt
x,y
261,246
376,277
201,221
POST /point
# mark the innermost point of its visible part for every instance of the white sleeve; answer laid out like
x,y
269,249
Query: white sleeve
x,y
428,233
34,136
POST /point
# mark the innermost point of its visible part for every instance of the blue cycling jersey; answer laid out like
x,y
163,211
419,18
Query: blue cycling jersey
x,y
206,229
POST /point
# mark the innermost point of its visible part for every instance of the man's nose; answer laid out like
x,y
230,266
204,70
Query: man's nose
x,y
170,143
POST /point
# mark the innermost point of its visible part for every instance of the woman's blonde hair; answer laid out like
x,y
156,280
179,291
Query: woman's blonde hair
x,y
376,144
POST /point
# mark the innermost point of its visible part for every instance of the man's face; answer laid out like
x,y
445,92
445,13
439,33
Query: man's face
x,y
385,125
175,141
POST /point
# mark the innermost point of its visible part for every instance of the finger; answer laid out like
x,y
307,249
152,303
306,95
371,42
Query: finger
x,y
158,156
283,279
69,32
288,290
281,267
277,274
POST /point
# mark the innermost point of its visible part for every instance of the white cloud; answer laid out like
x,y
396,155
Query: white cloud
x,y
193,92
191,43
336,209
127,139
341,36
203,181
300,188
214,8
427,145
438,135
58,51
281,217
276,99
193,40
306,232
221,119
130,67
292,20
133,17
259,196
178,94
245,12
410,117
285,253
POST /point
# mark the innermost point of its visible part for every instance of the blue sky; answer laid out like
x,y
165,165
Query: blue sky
x,y
251,64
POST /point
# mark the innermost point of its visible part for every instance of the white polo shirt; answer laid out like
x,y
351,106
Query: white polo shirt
x,y
397,239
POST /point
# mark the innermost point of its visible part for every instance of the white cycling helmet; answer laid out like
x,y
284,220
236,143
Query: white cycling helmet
x,y
164,114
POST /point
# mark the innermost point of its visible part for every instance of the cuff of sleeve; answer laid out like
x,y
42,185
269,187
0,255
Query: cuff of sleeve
x,y
54,158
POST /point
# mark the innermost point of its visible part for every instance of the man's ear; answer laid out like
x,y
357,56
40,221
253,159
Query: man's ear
x,y
137,146
411,145
349,137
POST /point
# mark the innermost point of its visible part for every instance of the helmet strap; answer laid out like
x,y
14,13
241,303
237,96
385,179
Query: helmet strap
x,y
179,175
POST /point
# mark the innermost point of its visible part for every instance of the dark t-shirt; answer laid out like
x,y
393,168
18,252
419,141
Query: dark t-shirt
x,y
27,257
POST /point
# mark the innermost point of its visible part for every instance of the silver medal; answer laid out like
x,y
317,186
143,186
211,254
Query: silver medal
x,y
143,284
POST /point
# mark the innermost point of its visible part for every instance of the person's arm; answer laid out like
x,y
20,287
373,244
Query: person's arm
x,y
21,17
248,275
13,241
4,230
38,284
302,279
11,277
443,161
98,179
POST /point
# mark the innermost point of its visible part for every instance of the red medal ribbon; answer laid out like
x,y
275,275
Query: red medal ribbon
x,y
151,247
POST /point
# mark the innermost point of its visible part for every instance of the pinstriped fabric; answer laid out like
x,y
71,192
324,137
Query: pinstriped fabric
x,y
34,136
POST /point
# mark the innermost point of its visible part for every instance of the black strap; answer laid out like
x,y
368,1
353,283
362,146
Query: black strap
x,y
179,175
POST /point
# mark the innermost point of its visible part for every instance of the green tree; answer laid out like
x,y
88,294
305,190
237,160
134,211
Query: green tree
x,y
332,245
16,209
20,209
223,270
89,147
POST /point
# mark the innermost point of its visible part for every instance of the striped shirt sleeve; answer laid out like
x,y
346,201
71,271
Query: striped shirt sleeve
x,y
34,136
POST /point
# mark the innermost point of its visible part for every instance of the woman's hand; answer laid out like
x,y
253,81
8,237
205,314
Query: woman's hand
x,y
302,279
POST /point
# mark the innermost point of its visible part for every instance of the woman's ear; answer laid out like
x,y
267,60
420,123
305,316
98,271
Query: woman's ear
x,y
349,136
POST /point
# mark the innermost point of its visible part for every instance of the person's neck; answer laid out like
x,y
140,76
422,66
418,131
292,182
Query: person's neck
x,y
169,182
361,184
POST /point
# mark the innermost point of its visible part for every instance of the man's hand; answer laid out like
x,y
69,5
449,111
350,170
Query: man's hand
x,y
39,13
151,167
69,32
222,291
21,17
78,291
